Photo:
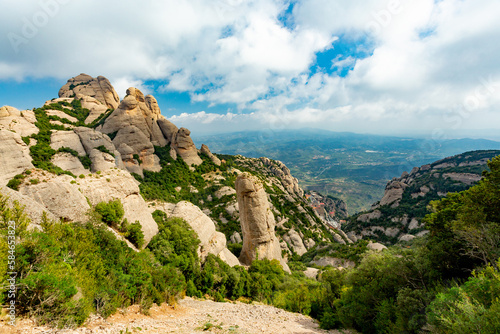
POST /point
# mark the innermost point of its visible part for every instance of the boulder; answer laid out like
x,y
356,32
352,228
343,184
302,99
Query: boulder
x,y
32,209
224,191
311,273
69,162
14,156
134,110
99,88
67,139
21,122
295,241
124,187
236,238
60,198
334,262
393,193
91,140
257,222
376,246
96,107
211,241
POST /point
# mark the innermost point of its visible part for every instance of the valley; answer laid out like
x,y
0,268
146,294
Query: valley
x,y
352,167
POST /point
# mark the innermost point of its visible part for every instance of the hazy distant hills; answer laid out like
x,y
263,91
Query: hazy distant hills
x,y
354,167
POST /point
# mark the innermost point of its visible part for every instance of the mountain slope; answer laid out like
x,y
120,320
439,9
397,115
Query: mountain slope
x,y
352,167
399,213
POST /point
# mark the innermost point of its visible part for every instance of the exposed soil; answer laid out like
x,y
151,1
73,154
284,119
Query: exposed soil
x,y
189,316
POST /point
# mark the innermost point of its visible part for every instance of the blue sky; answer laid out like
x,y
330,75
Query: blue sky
x,y
400,67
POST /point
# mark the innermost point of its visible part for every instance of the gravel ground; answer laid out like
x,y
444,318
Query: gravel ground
x,y
189,316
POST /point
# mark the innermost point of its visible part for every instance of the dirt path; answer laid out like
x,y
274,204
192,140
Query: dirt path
x,y
190,316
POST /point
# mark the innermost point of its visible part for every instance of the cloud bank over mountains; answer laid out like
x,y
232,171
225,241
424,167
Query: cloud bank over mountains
x,y
375,66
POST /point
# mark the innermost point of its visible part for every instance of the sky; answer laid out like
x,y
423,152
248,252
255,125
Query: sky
x,y
400,67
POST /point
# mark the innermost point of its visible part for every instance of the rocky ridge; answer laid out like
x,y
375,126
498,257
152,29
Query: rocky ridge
x,y
100,140
398,215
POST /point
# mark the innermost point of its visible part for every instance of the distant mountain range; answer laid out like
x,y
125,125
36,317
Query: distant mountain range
x,y
350,166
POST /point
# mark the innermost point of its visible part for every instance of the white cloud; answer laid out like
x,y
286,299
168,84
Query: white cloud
x,y
428,57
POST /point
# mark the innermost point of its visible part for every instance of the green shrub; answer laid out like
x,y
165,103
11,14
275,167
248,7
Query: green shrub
x,y
135,234
111,212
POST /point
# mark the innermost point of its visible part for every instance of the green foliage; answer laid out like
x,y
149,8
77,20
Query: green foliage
x,y
103,149
470,308
111,212
15,182
175,244
235,249
135,234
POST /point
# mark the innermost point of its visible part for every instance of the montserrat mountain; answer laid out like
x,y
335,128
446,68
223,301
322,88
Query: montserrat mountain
x,y
87,147
398,216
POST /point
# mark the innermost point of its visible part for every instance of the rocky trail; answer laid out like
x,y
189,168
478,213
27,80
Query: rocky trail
x,y
189,316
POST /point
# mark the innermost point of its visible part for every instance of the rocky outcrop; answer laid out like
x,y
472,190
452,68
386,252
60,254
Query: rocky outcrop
x,y
93,142
140,112
334,262
211,241
32,209
99,88
295,241
60,198
393,193
14,156
185,148
124,187
21,122
282,172
205,150
257,222
69,162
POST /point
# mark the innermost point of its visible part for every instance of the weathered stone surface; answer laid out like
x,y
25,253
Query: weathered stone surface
x,y
281,171
295,241
406,237
338,239
311,273
32,209
123,187
67,139
135,111
14,156
61,114
101,161
257,222
205,150
60,198
309,243
185,147
211,241
21,122
168,129
92,139
95,106
69,162
224,191
369,216
99,88
376,246
466,178
393,192
131,141
334,262
236,238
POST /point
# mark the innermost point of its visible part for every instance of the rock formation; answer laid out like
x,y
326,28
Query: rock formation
x,y
20,122
205,150
211,241
99,88
257,222
14,156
